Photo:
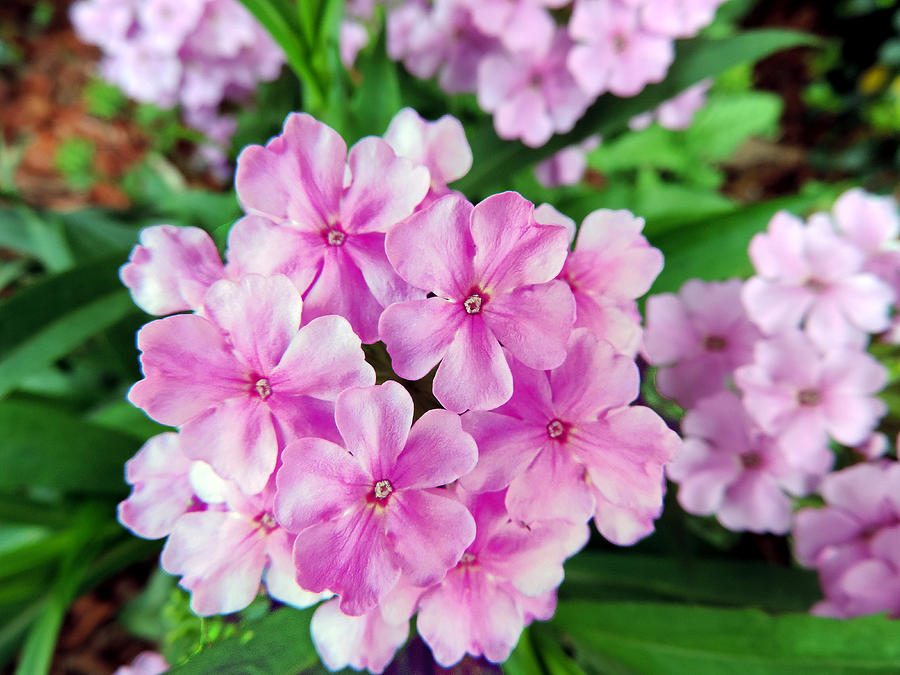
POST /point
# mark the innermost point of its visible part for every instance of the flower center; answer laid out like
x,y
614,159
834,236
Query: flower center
x,y
816,286
335,237
383,488
751,460
556,429
472,304
809,397
467,558
619,43
267,521
262,388
715,343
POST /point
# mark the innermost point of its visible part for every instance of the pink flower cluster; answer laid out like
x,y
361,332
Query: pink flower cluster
x,y
189,53
773,369
292,468
533,71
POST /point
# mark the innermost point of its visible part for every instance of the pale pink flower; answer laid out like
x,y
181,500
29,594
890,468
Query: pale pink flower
x,y
566,167
520,25
491,268
439,146
611,266
145,663
678,18
367,642
326,236
571,431
245,373
803,396
226,551
367,512
854,541
677,113
354,36
614,52
161,488
727,467
506,578
698,338
171,269
104,23
807,274
532,96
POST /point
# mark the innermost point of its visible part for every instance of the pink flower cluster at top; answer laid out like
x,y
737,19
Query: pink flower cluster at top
x,y
192,53
774,369
292,468
537,65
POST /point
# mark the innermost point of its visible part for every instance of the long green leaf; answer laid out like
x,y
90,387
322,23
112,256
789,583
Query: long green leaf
x,y
596,575
45,447
695,60
48,320
279,644
661,639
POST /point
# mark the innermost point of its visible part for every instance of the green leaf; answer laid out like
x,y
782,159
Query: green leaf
x,y
377,98
45,447
696,59
40,236
124,417
716,248
524,659
48,320
279,644
660,638
598,575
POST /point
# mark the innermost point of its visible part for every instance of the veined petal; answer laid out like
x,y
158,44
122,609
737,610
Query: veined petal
x,y
418,333
437,452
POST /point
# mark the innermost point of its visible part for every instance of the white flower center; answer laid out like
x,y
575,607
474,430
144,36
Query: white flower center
x,y
555,429
263,389
335,237
467,559
383,488
472,304
267,521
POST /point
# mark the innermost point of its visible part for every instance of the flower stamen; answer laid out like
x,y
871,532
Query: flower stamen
x,y
383,489
335,237
263,389
556,429
472,304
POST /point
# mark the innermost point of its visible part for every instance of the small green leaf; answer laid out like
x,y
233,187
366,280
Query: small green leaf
x,y
661,638
280,645
377,99
524,659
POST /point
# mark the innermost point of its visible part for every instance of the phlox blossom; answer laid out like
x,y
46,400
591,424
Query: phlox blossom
x,y
491,268
171,269
326,235
571,432
698,338
728,468
678,18
368,510
145,663
244,374
506,578
854,540
806,274
802,396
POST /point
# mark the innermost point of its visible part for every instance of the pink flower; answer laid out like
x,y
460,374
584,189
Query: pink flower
x,y
566,167
245,373
225,552
809,275
531,95
571,431
161,492
439,146
698,338
145,663
171,269
854,541
678,18
614,52
439,38
520,25
354,36
365,642
676,113
802,396
326,236
367,512
491,268
612,265
728,468
506,578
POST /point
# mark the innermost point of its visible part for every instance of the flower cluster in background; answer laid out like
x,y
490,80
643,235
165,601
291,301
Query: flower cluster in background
x,y
195,54
537,65
774,370
292,468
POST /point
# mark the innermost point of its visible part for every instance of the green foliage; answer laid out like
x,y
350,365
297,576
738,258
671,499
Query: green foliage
x,y
104,100
74,159
613,637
